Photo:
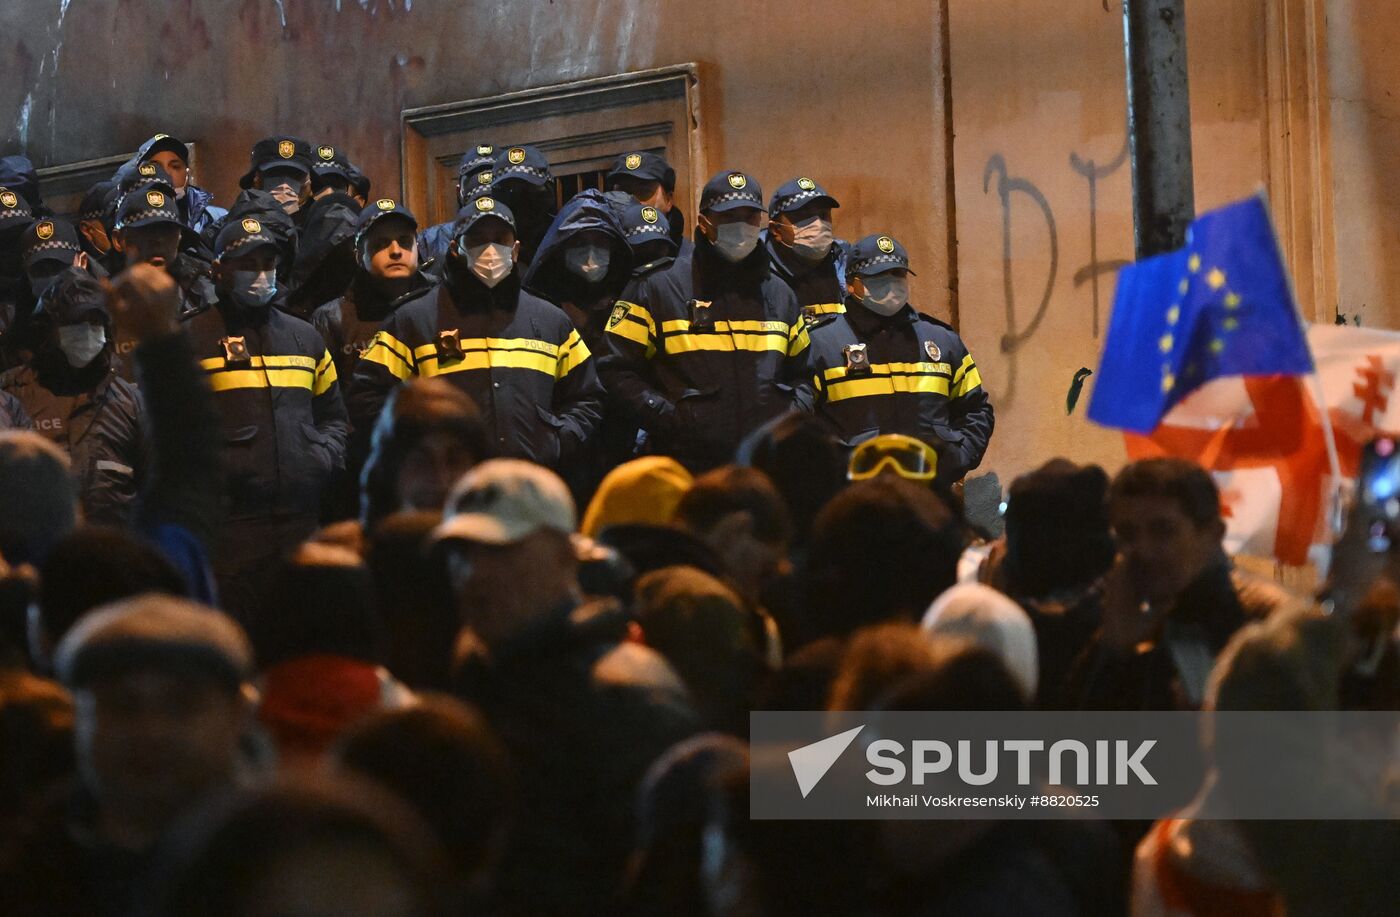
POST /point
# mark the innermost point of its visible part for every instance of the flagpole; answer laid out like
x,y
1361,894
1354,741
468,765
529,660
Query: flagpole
x,y
1335,522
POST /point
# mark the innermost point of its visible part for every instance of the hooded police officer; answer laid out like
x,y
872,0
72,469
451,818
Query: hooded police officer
x,y
705,349
880,367
518,356
74,396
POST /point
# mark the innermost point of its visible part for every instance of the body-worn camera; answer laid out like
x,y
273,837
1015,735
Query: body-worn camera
x,y
235,351
1378,490
449,346
857,360
701,318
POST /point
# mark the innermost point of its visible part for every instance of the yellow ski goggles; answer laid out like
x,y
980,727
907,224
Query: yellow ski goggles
x,y
910,458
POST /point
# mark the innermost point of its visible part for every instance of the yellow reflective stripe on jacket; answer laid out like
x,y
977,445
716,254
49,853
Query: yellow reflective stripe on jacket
x,y
392,354
967,379
571,356
636,325
491,353
262,372
887,379
798,340
824,308
679,337
325,375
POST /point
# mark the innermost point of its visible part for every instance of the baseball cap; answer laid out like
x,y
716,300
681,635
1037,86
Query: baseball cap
x,y
14,210
479,209
502,501
154,632
731,191
50,240
242,235
378,210
277,151
646,166
799,193
164,143
154,204
521,162
877,254
478,158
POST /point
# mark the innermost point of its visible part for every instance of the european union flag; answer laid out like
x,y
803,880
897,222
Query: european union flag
x,y
1221,306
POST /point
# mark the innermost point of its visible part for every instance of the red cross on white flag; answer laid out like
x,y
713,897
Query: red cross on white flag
x,y
1263,438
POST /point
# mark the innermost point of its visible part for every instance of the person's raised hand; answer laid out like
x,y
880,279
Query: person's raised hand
x,y
144,302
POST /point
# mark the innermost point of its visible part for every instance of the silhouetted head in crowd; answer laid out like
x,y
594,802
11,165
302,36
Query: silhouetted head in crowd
x,y
1165,514
319,601
876,659
981,616
335,847
804,461
1057,534
963,676
674,802
158,693
881,550
644,491
442,758
38,503
707,634
740,514
506,535
428,435
36,732
93,566
415,599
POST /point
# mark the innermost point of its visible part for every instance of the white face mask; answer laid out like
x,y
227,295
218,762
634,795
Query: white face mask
x,y
491,263
254,288
81,343
735,241
885,294
812,239
288,196
588,261
180,191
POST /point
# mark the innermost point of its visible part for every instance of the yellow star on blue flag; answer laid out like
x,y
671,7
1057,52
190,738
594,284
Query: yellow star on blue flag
x,y
1220,306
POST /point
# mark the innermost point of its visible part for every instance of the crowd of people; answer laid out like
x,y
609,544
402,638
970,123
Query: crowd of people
x,y
350,566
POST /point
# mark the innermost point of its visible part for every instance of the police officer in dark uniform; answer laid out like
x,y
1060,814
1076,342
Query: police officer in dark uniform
x,y
333,172
16,298
705,349
51,246
475,162
882,367
280,410
173,155
521,179
281,166
96,214
76,399
648,235
518,356
148,228
651,181
802,248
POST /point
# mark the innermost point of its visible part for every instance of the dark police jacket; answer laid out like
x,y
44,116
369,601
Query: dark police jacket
x,y
349,323
702,352
920,381
517,356
281,416
98,426
820,288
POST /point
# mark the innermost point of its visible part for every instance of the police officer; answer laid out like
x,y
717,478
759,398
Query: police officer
x,y
648,235
280,410
474,164
50,247
518,356
332,171
706,348
173,155
281,166
386,276
76,399
882,367
96,214
802,248
16,299
650,180
521,179
148,228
